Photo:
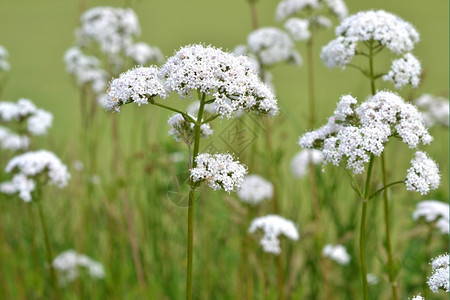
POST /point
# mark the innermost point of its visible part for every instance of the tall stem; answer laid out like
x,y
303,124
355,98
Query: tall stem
x,y
47,244
392,276
190,242
254,14
362,233
311,93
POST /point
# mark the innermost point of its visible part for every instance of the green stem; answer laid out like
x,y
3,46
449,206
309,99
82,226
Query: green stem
x,y
385,187
392,276
362,234
372,79
191,207
427,259
47,244
310,67
186,116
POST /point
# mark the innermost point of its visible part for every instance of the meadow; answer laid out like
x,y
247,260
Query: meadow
x,y
126,205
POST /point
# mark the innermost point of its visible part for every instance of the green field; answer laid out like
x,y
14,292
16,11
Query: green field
x,y
133,209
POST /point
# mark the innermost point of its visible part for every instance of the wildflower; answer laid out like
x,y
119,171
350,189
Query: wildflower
x,y
405,70
12,141
231,80
418,297
440,277
298,28
10,111
29,166
433,211
219,171
4,55
255,189
39,122
288,8
339,52
273,226
271,45
355,133
301,161
68,263
423,175
143,54
182,130
372,279
337,253
436,109
137,85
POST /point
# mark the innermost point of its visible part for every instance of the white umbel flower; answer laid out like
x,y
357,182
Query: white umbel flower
x,y
255,189
68,264
219,171
288,8
301,161
10,111
39,122
11,141
405,70
273,226
28,166
433,211
423,175
143,54
4,64
418,297
182,130
337,253
298,28
230,79
339,52
435,109
440,277
354,133
112,28
137,85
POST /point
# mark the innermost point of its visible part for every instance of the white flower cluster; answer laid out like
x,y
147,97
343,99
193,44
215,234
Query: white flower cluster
x,y
301,161
229,79
4,64
12,141
183,130
436,109
423,175
26,167
337,253
142,53
288,8
405,70
68,264
255,189
111,28
272,45
440,277
298,28
385,28
137,85
418,297
86,69
219,171
273,226
433,211
356,133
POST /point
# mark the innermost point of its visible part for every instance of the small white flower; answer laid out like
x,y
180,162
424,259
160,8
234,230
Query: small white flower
x,y
11,141
219,171
39,122
417,297
339,52
338,8
405,70
298,28
26,167
182,130
301,161
143,54
68,263
10,111
288,8
440,277
273,226
4,55
423,175
255,189
433,211
436,109
337,253
372,279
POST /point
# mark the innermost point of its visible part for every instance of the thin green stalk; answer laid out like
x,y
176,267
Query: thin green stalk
x,y
254,13
190,242
362,235
392,276
372,79
47,244
425,288
310,67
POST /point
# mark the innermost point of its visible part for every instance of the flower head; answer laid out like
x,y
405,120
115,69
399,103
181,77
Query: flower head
x,y
273,226
183,130
298,28
405,70
219,171
417,297
337,253
301,161
4,55
435,109
137,85
11,141
440,277
433,211
68,263
230,79
423,175
143,54
255,189
29,166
